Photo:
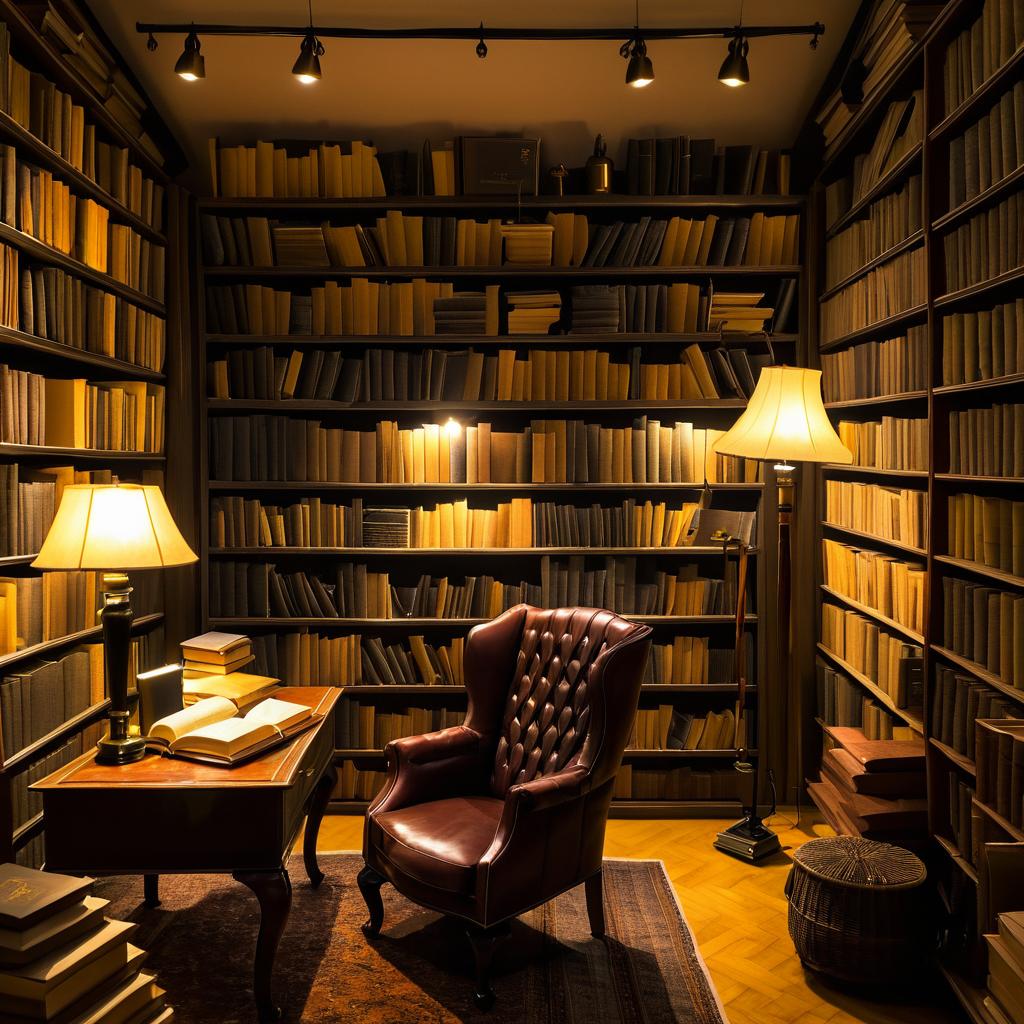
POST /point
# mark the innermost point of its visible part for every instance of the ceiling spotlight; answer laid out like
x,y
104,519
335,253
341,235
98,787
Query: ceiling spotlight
x,y
734,71
640,72
191,64
307,67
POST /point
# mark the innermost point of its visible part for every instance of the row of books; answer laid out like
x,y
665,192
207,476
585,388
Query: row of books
x,y
989,149
52,304
635,783
890,219
668,728
886,291
958,700
999,759
986,441
891,663
357,784
61,124
890,586
258,590
984,343
986,626
34,609
250,448
888,33
986,246
873,369
894,442
987,530
965,827
470,375
681,166
519,523
331,170
980,50
843,703
366,727
76,413
891,513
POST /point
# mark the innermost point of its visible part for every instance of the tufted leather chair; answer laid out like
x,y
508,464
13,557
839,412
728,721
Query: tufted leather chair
x,y
500,814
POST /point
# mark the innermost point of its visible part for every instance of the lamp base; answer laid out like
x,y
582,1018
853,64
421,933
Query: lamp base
x,y
749,840
120,751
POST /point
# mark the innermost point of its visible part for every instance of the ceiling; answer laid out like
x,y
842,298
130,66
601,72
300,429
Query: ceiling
x,y
399,93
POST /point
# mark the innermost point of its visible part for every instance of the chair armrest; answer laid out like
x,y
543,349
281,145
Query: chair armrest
x,y
550,790
430,767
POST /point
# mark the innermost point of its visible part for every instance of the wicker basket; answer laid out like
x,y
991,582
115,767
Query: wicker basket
x,y
858,910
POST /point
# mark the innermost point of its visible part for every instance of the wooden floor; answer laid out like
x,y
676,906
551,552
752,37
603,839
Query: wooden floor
x,y
738,915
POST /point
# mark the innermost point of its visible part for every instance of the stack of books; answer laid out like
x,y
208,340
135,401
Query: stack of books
x,y
467,313
1005,1001
212,669
595,310
873,788
738,311
62,960
386,527
528,244
533,312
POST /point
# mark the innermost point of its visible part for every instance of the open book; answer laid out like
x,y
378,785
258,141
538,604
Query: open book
x,y
211,730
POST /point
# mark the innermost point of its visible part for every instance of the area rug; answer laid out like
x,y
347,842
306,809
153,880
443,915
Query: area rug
x,y
550,971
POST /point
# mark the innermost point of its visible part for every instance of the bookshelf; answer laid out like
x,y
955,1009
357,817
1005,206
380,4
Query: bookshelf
x,y
958,189
103,330
702,779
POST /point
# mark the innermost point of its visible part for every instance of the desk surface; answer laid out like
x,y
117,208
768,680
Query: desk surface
x,y
276,768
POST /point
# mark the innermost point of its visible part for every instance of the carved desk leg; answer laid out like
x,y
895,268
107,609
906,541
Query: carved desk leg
x,y
151,890
317,805
273,889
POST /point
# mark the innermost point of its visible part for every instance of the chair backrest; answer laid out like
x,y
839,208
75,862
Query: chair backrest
x,y
562,696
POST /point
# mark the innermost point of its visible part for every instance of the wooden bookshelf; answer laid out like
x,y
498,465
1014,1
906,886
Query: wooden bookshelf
x,y
940,215
22,350
718,413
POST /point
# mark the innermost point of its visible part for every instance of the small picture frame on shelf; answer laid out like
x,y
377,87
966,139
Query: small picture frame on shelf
x,y
499,165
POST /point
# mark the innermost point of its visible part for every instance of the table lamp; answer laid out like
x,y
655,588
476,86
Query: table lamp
x,y
114,527
784,422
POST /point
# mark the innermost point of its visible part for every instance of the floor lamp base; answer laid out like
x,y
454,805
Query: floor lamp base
x,y
749,840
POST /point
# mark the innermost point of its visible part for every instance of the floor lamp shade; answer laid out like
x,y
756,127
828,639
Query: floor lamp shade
x,y
785,421
113,526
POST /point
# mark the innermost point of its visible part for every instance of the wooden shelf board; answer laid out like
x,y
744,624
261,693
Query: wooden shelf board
x,y
23,833
12,560
534,552
971,998
1013,380
325,485
1000,79
296,622
879,694
504,272
980,288
993,815
997,575
47,254
963,763
969,207
73,724
977,478
978,671
880,328
38,153
872,613
523,408
856,403
910,474
11,338
873,539
43,451
912,240
883,185
957,857
476,340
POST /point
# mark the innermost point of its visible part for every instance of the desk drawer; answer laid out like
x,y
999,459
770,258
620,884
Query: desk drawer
x,y
314,764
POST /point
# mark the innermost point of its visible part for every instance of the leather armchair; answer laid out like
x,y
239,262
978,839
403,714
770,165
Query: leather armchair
x,y
491,818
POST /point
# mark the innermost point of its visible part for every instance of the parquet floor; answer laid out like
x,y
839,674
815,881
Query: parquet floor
x,y
738,915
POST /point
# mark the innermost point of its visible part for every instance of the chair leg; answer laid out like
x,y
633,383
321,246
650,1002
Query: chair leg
x,y
484,942
369,882
595,905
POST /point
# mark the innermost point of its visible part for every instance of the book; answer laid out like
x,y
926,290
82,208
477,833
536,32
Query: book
x,y
28,897
241,688
58,928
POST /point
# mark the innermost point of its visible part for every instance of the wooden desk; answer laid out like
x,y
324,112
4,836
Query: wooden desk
x,y
162,815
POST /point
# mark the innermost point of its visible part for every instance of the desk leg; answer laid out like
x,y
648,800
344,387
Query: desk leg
x,y
317,805
273,889
151,890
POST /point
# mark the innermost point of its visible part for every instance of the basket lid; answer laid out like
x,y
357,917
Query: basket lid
x,y
861,863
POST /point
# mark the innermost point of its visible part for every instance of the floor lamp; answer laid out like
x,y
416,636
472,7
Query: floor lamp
x,y
784,423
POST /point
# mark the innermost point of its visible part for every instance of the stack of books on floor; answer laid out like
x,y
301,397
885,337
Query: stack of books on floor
x,y
62,961
1005,1001
873,788
212,669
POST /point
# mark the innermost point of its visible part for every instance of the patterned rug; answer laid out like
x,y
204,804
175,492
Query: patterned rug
x,y
550,971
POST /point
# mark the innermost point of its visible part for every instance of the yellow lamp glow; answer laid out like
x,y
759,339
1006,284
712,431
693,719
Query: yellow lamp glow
x,y
453,427
785,421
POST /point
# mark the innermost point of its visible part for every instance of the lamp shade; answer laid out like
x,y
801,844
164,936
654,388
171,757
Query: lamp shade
x,y
113,527
785,420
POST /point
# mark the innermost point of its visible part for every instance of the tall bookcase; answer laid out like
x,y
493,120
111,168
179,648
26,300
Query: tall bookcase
x,y
958,377
39,750
507,564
